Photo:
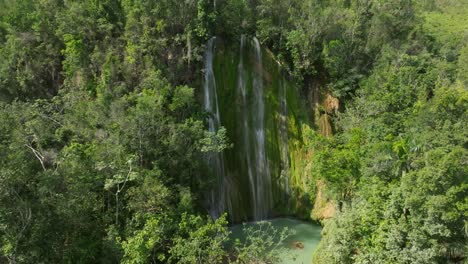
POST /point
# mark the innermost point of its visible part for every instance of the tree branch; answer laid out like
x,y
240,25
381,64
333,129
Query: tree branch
x,y
38,155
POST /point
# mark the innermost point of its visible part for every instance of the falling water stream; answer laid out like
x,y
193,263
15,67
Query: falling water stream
x,y
215,160
242,90
252,164
251,138
263,196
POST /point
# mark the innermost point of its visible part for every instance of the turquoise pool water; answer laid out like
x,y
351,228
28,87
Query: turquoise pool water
x,y
302,244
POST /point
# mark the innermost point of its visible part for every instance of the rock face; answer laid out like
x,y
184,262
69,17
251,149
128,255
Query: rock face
x,y
297,245
323,208
264,173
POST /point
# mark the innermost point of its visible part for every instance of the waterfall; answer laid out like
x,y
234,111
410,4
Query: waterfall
x,y
215,160
244,179
263,196
252,120
242,89
253,133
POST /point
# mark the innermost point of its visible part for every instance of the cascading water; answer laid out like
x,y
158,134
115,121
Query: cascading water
x,y
252,118
253,176
263,195
215,160
241,86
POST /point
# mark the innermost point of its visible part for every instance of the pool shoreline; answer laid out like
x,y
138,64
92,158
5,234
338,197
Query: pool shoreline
x,y
302,243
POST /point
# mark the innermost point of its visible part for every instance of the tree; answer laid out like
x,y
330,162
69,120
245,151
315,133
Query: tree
x,y
200,241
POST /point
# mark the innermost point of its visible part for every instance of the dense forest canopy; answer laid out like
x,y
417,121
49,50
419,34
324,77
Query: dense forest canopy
x,y
103,138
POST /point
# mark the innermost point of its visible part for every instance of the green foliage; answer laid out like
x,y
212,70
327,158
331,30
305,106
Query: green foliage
x,y
335,42
447,21
463,65
262,244
206,17
30,61
138,248
410,203
200,241
102,139
215,141
338,164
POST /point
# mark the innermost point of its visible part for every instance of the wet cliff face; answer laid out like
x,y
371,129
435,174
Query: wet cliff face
x,y
265,173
